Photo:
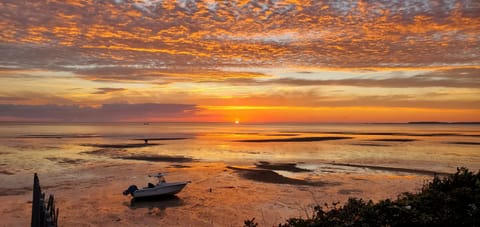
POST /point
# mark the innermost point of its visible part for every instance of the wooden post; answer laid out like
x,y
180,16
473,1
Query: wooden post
x,y
43,215
35,201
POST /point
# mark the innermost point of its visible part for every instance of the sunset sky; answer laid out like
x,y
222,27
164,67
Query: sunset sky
x,y
252,61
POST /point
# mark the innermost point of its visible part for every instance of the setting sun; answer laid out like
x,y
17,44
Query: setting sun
x,y
237,121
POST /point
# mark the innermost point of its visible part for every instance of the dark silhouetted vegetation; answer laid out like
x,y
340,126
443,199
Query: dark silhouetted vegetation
x,y
250,223
453,200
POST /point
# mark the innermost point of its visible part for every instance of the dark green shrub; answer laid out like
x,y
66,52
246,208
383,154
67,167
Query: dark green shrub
x,y
450,201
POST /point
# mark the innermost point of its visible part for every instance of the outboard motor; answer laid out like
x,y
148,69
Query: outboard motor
x,y
130,190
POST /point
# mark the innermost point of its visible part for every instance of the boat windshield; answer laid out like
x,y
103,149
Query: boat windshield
x,y
161,179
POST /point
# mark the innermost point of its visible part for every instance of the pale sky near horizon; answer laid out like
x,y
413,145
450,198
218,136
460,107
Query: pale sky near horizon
x,y
252,61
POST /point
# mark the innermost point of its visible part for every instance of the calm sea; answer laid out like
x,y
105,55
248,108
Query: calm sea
x,y
324,148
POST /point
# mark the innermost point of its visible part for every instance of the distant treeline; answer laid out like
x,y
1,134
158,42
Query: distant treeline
x,y
441,122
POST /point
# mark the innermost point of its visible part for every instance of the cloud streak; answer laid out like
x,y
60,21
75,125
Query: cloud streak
x,y
104,113
155,75
106,90
453,78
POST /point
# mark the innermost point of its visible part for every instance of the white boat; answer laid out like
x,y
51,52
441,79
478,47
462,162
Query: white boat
x,y
162,188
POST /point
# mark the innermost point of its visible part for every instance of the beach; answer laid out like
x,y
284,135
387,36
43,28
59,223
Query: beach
x,y
217,196
269,173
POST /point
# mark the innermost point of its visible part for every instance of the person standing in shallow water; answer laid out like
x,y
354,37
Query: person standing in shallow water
x,y
146,141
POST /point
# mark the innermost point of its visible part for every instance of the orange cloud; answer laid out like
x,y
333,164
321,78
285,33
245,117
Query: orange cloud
x,y
304,33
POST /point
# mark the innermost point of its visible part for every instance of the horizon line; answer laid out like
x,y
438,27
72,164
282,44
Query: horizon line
x,y
230,122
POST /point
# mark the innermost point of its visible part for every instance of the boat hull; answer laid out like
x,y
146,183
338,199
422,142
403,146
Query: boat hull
x,y
160,190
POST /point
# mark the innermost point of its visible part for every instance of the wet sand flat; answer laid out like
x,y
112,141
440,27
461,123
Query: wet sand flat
x,y
125,154
163,138
296,139
392,169
122,152
157,158
217,196
129,145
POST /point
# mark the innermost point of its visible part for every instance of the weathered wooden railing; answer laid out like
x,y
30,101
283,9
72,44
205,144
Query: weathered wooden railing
x,y
43,215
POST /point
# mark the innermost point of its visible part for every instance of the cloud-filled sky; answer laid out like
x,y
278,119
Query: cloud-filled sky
x,y
256,61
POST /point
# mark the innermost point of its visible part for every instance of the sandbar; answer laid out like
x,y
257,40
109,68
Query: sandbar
x,y
296,139
388,134
291,167
371,144
269,176
394,140
57,136
464,143
128,145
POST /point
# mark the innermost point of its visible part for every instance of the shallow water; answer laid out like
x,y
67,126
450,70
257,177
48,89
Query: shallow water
x,y
57,147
